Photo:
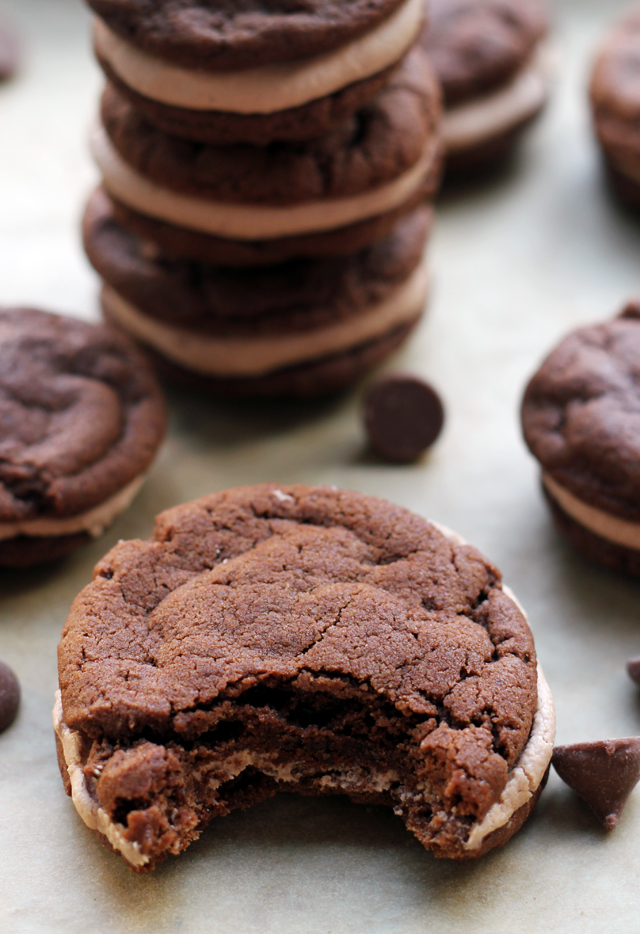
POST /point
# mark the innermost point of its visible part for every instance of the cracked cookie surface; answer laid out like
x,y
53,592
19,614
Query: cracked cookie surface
x,y
295,638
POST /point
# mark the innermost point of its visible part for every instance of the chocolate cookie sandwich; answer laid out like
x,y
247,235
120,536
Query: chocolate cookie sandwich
x,y
299,639
494,64
297,328
615,104
581,421
248,205
81,419
254,72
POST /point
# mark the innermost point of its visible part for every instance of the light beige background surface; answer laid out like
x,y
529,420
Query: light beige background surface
x,y
516,265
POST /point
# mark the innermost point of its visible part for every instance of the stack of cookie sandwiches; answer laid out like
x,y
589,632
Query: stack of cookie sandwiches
x,y
494,62
268,172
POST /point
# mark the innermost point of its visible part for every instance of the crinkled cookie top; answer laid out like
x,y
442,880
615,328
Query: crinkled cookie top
x,y
268,585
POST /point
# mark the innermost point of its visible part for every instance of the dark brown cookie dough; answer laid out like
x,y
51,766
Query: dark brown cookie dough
x,y
81,418
218,128
225,35
379,143
477,46
297,296
302,638
615,103
581,416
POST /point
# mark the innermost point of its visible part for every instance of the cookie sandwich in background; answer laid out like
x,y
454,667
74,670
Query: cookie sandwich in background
x,y
81,420
495,63
580,420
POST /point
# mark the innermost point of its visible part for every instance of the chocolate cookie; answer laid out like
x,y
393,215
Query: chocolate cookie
x,y
580,419
301,639
263,72
293,297
81,419
382,141
374,165
615,103
217,128
302,327
491,62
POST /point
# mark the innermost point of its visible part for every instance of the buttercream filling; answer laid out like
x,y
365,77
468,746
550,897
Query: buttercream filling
x,y
601,523
94,521
250,221
483,118
267,88
250,356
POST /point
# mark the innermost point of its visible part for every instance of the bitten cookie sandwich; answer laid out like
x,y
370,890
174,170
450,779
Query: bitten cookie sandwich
x,y
581,420
300,328
81,420
254,72
615,104
299,639
494,63
250,205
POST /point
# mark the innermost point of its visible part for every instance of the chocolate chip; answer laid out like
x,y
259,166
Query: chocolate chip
x,y
604,774
404,416
9,696
633,667
9,54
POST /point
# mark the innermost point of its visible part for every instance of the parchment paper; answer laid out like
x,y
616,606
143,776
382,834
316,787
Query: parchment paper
x,y
516,264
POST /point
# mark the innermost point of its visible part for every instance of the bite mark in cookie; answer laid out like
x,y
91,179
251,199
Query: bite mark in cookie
x,y
305,639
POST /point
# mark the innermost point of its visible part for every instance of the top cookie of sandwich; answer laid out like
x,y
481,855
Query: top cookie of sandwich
x,y
581,416
478,45
259,584
81,415
222,35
